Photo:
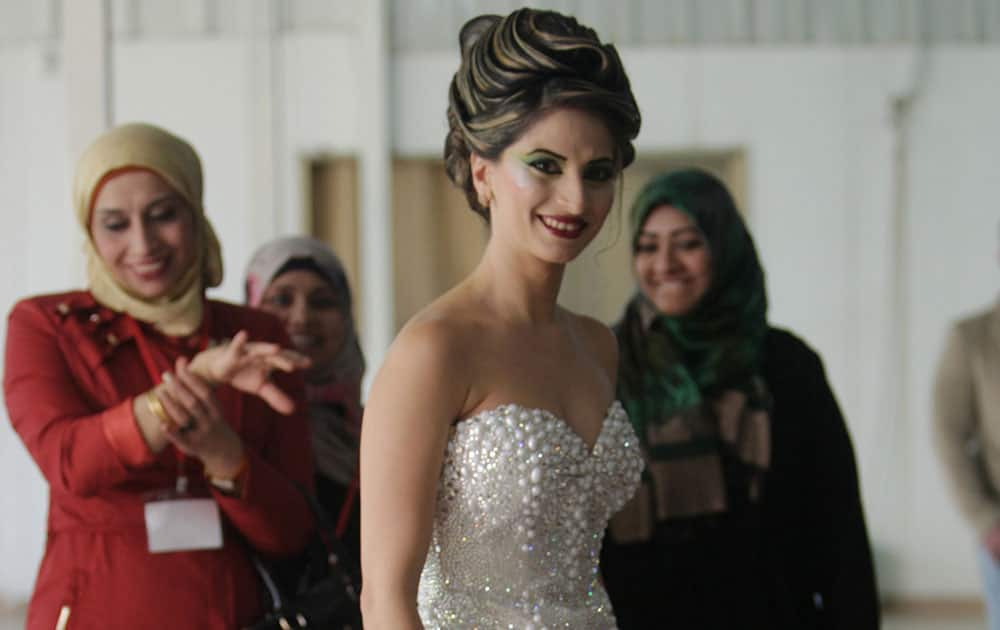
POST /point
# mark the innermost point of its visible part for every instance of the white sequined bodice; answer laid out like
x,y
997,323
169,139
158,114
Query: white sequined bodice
x,y
521,509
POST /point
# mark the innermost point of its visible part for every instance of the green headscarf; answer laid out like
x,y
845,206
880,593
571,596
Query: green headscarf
x,y
691,383
717,345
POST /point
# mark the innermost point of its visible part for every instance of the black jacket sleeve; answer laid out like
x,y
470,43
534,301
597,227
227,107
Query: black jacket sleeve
x,y
816,521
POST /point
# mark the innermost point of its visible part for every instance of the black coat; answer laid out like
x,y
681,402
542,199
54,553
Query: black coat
x,y
800,560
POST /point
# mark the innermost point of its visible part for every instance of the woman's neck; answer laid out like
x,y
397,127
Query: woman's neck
x,y
517,286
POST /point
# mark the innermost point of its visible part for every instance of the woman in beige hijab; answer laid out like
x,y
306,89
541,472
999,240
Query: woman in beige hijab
x,y
152,412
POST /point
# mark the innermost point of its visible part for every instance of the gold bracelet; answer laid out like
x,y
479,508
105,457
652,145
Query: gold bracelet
x,y
156,408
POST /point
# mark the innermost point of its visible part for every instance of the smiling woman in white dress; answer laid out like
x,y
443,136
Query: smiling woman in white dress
x,y
493,452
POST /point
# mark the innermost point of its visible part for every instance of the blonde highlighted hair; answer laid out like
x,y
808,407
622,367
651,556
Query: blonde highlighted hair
x,y
517,67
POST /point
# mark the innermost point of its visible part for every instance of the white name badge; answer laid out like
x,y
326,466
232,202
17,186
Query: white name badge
x,y
183,524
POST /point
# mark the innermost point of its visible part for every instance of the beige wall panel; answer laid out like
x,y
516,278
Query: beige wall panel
x,y
438,241
334,189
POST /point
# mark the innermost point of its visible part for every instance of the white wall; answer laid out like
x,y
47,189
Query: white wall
x,y
817,130
35,257
953,238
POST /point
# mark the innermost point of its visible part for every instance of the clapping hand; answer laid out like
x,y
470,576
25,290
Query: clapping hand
x,y
197,427
247,366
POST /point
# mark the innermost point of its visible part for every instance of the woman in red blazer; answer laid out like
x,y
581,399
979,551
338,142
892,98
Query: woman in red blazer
x,y
151,410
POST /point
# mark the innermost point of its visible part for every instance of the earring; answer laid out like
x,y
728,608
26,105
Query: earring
x,y
486,198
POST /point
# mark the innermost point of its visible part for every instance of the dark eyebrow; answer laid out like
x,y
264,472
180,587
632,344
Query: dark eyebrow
x,y
683,230
599,160
552,153
164,198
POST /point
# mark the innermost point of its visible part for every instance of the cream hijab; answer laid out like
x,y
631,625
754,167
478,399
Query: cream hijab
x,y
142,146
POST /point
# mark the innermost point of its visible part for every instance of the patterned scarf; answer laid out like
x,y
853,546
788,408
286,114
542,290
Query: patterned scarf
x,y
691,383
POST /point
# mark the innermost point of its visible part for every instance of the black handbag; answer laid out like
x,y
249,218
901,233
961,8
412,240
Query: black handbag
x,y
318,589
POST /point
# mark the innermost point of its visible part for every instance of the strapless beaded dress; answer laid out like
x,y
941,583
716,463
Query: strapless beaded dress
x,y
521,509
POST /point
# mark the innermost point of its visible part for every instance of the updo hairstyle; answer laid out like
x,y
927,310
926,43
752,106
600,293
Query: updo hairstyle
x,y
518,67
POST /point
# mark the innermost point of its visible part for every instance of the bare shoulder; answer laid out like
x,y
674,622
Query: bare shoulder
x,y
428,346
599,340
428,359
442,332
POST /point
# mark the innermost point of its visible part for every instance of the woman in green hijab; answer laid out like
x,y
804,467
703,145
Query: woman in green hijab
x,y
749,514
